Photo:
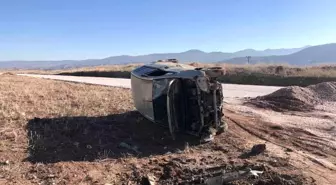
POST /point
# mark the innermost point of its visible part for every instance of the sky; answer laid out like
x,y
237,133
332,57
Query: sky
x,y
83,29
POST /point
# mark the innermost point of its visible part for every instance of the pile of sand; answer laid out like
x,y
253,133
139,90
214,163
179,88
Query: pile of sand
x,y
298,98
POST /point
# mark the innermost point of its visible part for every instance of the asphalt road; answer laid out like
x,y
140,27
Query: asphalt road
x,y
229,90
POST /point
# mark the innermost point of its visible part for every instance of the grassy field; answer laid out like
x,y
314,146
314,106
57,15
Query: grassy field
x,y
258,74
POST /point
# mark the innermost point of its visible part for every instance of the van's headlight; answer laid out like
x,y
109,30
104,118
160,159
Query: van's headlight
x,y
203,83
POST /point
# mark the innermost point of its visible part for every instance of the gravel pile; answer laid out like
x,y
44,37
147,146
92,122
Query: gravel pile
x,y
298,98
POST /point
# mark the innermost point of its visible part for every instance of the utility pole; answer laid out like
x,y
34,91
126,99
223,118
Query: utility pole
x,y
248,59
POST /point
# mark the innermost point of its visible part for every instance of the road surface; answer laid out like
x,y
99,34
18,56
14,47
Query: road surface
x,y
229,90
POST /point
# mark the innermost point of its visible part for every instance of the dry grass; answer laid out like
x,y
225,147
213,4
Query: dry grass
x,y
284,70
266,69
23,98
31,97
281,70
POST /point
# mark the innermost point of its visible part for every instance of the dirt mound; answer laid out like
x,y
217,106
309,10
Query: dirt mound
x,y
290,98
297,98
325,91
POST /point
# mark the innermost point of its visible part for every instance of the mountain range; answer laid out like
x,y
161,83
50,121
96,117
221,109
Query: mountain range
x,y
296,56
309,56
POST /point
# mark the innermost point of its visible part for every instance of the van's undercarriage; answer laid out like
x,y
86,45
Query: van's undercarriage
x,y
192,110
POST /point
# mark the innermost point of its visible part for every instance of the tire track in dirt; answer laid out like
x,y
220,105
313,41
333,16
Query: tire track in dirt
x,y
259,130
299,137
259,136
297,143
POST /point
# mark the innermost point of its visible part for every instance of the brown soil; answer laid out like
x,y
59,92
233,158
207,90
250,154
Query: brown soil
x,y
64,133
296,98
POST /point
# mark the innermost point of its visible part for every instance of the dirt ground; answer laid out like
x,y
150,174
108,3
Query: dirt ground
x,y
66,133
305,139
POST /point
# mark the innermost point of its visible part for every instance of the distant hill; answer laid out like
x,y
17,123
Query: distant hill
x,y
309,56
187,56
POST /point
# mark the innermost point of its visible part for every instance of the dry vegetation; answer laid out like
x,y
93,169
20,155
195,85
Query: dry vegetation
x,y
279,69
231,69
22,99
256,74
55,132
